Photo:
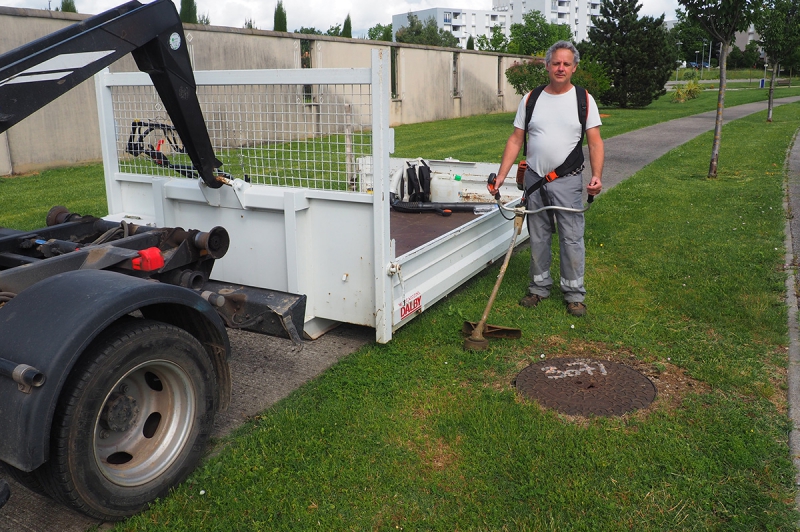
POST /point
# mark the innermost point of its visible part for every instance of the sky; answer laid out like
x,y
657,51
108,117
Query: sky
x,y
319,14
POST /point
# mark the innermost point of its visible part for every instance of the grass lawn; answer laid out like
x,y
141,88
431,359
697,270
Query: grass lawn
x,y
686,284
463,143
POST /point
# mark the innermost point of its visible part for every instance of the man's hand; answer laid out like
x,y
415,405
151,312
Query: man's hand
x,y
493,188
595,186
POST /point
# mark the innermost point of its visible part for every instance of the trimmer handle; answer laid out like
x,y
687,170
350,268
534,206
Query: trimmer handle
x,y
492,179
590,198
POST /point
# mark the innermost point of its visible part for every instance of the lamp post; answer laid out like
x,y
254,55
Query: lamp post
x,y
678,61
703,57
709,53
695,57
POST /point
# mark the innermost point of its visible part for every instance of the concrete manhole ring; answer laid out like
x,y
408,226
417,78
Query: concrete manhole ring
x,y
584,386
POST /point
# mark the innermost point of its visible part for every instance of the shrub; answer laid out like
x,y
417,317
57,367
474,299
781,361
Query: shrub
x,y
592,76
526,76
683,93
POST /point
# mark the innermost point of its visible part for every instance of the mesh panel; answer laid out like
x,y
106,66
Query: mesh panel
x,y
311,136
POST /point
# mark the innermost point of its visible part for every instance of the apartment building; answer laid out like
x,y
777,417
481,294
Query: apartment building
x,y
463,23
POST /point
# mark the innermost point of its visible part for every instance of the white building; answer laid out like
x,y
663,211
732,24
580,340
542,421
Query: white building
x,y
465,22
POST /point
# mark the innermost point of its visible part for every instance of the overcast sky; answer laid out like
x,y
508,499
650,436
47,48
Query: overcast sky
x,y
320,14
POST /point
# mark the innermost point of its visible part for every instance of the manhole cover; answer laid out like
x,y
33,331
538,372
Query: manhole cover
x,y
582,386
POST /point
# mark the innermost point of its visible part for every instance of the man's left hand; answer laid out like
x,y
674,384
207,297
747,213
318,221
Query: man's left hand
x,y
595,186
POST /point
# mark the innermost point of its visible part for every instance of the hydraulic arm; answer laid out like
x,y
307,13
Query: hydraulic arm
x,y
37,73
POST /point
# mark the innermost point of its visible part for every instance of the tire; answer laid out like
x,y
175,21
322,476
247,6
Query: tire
x,y
132,421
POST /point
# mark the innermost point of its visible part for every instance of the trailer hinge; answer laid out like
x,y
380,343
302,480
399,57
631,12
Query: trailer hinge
x,y
393,269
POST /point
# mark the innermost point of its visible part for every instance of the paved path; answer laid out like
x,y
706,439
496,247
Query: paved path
x,y
267,369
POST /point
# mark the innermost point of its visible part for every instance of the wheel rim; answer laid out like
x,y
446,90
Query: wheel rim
x,y
145,422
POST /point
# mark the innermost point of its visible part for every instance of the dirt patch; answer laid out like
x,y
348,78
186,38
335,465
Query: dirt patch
x,y
672,382
435,453
18,176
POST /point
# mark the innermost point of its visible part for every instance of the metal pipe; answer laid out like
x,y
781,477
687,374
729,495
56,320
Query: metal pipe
x,y
23,374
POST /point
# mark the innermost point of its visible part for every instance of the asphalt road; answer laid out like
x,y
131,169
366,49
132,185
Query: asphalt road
x,y
266,369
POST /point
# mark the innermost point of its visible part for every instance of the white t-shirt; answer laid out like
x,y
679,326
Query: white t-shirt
x,y
554,129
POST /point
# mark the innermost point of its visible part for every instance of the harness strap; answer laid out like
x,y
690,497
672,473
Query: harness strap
x,y
575,158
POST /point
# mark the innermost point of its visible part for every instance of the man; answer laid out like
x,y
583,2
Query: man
x,y
553,133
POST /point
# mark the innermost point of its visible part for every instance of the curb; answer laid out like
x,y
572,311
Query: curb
x,y
792,232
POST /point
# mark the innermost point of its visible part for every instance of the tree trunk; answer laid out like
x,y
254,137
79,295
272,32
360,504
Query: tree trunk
x,y
723,81
775,68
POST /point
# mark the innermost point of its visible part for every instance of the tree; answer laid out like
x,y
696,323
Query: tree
x,y
68,6
690,35
308,31
470,43
334,31
347,28
637,52
535,34
592,76
497,42
188,11
249,24
780,37
204,19
428,33
752,55
279,18
380,32
721,19
736,58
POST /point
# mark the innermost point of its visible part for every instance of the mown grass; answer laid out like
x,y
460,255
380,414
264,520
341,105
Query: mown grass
x,y
685,278
457,138
685,281
25,199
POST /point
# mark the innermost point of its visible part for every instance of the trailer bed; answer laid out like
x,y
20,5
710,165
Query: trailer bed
x,y
414,230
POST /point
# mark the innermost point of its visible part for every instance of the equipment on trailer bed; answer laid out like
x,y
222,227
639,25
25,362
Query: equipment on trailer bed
x,y
113,347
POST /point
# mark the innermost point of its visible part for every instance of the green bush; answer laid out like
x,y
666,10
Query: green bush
x,y
526,76
592,76
689,74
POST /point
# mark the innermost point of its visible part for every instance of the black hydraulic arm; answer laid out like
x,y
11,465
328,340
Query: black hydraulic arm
x,y
37,73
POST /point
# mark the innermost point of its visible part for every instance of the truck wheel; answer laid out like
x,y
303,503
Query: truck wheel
x,y
132,421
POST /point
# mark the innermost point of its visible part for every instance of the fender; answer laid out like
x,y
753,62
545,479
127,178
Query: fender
x,y
50,324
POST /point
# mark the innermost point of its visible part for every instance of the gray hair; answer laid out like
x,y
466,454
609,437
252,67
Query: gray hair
x,y
565,45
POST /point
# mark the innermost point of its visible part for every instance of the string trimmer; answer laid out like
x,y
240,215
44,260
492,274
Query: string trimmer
x,y
479,332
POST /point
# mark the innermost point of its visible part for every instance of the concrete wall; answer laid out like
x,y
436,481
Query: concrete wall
x,y
66,131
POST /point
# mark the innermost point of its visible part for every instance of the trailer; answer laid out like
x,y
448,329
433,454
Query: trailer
x,y
310,206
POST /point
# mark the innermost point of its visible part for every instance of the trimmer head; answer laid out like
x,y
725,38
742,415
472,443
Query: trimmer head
x,y
472,343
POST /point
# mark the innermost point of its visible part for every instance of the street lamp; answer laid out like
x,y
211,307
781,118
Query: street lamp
x,y
703,57
678,62
695,58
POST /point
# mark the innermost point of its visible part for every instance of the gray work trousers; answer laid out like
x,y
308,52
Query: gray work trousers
x,y
566,192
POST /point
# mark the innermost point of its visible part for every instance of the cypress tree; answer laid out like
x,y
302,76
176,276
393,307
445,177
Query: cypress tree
x,y
279,20
188,11
347,29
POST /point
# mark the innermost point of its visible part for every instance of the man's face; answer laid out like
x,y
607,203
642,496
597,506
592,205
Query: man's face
x,y
561,66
